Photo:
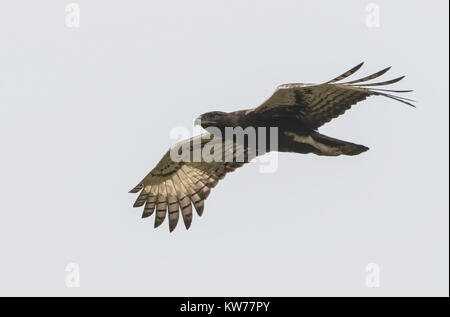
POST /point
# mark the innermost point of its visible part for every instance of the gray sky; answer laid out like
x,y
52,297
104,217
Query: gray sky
x,y
86,112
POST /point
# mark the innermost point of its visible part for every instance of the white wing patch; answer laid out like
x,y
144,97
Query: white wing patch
x,y
325,149
293,85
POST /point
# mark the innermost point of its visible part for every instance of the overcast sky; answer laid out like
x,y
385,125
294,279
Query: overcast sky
x,y
86,112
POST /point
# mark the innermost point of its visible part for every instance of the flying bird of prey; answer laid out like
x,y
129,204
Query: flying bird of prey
x,y
297,110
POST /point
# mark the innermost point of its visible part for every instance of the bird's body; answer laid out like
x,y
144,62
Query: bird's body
x,y
292,136
295,110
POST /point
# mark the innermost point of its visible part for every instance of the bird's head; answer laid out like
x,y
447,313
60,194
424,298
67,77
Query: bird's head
x,y
212,119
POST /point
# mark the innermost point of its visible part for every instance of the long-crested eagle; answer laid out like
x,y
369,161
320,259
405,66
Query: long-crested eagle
x,y
296,110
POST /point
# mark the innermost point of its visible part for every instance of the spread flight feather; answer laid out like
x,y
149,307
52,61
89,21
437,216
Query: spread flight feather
x,y
172,187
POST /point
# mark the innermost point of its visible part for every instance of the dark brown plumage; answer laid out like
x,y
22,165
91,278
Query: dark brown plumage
x,y
297,110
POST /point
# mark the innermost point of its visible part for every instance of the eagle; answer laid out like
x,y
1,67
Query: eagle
x,y
296,110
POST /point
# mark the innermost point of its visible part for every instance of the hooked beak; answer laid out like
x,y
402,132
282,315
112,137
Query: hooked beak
x,y
198,121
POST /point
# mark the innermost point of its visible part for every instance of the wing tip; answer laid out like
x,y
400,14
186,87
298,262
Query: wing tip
x,y
172,227
158,222
397,98
136,189
346,74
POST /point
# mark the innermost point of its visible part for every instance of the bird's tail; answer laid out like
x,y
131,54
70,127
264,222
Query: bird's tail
x,y
325,145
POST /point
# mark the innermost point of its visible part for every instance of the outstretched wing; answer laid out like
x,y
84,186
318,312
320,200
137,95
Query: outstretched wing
x,y
314,105
178,183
